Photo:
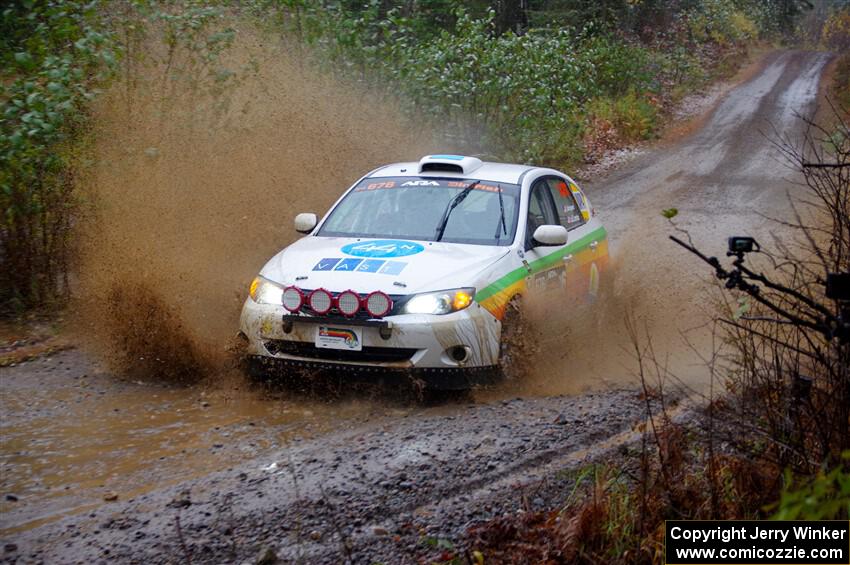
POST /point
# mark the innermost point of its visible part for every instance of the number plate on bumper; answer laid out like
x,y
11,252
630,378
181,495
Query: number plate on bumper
x,y
337,337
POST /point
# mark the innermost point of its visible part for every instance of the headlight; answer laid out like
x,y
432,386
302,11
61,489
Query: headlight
x,y
264,291
442,302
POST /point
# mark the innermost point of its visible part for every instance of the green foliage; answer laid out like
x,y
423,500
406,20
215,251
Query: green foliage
x,y
826,496
521,95
525,93
836,30
722,22
635,117
526,89
175,52
841,82
58,52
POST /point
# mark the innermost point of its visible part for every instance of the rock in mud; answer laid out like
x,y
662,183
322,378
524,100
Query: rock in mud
x,y
110,496
267,557
182,500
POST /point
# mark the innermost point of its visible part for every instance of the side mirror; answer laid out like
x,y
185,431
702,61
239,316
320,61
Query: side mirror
x,y
304,223
551,235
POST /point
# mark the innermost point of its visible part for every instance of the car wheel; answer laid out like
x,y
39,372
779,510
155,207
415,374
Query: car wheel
x,y
516,348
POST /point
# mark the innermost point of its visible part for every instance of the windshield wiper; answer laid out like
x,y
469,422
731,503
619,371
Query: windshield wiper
x,y
502,218
438,235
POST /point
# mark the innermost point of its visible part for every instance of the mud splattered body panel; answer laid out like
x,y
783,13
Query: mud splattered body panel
x,y
427,337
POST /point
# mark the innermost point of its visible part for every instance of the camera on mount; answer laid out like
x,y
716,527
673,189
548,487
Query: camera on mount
x,y
740,244
838,286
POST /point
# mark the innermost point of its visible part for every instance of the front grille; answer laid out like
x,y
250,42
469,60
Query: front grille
x,y
362,314
367,355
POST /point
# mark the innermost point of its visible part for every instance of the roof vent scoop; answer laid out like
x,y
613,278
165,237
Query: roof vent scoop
x,y
448,164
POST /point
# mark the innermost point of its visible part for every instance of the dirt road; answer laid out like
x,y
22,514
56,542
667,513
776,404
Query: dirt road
x,y
727,174
206,477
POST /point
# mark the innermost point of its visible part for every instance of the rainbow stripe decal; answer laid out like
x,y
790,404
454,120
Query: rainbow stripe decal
x,y
495,296
340,333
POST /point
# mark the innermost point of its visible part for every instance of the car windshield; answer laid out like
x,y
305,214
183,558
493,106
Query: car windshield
x,y
415,208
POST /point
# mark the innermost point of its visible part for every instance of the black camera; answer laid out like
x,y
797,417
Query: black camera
x,y
741,244
838,286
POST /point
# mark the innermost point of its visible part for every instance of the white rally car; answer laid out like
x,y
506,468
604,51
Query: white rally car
x,y
413,268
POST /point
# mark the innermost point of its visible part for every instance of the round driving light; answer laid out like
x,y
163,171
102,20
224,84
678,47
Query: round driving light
x,y
348,302
378,304
293,298
320,301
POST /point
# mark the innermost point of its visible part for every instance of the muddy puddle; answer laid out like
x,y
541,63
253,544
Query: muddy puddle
x,y
74,437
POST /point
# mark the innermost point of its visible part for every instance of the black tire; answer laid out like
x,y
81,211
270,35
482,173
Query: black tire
x,y
515,342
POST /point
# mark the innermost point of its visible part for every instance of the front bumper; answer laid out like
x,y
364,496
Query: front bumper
x,y
404,342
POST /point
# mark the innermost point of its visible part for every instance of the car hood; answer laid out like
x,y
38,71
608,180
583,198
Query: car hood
x,y
391,266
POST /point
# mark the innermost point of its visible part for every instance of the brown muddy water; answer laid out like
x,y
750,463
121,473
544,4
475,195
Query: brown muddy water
x,y
74,436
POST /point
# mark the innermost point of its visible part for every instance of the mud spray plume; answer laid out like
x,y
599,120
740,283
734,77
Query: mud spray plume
x,y
190,196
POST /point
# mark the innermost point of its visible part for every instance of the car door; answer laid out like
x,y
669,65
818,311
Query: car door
x,y
547,269
573,268
579,259
588,243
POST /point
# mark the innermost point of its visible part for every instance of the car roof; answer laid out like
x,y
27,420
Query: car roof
x,y
494,172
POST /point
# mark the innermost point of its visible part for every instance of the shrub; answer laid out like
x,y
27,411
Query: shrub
x,y
524,93
721,22
519,94
741,27
58,53
636,116
836,30
826,496
841,82
632,118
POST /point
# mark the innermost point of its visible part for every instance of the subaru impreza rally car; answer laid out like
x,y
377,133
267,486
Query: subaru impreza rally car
x,y
413,270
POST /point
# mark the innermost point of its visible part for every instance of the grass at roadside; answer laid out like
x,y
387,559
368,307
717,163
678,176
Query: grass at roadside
x,y
840,89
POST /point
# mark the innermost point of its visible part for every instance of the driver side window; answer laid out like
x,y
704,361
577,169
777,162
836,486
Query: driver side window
x,y
541,211
569,214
